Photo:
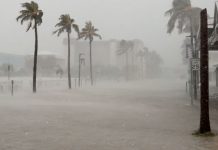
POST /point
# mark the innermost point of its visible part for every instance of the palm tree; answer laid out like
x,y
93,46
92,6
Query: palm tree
x,y
187,17
131,47
141,55
33,14
66,24
123,49
89,32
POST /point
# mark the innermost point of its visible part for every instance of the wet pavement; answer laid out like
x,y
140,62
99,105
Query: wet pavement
x,y
148,115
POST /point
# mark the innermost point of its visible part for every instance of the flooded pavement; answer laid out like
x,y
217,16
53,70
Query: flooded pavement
x,y
116,116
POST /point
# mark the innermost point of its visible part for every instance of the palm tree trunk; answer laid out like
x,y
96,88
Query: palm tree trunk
x,y
205,120
68,59
132,75
142,69
91,75
35,58
127,67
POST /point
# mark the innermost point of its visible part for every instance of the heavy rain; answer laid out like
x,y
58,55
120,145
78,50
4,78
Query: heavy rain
x,y
109,75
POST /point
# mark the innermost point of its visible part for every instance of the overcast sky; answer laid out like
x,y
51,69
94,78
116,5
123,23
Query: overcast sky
x,y
116,19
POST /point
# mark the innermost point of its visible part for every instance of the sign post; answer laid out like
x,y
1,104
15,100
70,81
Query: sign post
x,y
196,64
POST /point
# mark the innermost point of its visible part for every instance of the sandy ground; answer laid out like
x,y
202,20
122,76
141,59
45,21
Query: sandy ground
x,y
149,115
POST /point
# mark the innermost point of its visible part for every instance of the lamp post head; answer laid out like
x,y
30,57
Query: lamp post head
x,y
81,60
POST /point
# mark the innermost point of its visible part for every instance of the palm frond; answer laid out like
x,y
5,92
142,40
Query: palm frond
x,y
59,31
180,13
66,24
76,28
97,35
169,12
29,26
20,16
27,6
30,12
172,22
26,18
89,32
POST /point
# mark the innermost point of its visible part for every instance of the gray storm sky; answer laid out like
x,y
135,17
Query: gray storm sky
x,y
116,19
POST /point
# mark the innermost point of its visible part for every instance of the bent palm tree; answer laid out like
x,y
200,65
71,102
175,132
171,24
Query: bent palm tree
x,y
33,14
89,32
66,24
187,17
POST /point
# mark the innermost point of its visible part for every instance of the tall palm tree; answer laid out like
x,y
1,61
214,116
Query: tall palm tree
x,y
33,14
67,24
88,33
187,17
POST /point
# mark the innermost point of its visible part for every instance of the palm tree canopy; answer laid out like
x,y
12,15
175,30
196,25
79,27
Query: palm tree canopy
x,y
124,47
181,13
66,24
30,12
89,32
178,5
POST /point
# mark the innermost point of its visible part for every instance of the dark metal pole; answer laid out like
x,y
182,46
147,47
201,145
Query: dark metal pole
x,y
204,118
80,62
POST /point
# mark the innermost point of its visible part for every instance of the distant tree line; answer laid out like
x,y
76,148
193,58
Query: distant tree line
x,y
139,63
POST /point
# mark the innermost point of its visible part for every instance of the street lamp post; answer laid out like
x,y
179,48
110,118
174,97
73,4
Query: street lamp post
x,y
81,61
193,72
190,83
9,70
